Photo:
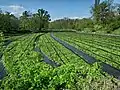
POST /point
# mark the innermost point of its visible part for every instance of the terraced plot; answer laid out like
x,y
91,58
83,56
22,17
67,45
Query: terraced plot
x,y
37,61
102,48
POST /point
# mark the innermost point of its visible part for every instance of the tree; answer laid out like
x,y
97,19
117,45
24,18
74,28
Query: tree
x,y
102,12
8,22
43,18
67,23
25,20
0,11
36,21
97,2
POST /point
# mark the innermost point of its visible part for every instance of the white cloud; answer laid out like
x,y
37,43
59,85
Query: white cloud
x,y
77,17
53,19
17,10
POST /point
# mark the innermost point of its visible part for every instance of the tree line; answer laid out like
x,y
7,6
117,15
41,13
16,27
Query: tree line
x,y
105,17
28,22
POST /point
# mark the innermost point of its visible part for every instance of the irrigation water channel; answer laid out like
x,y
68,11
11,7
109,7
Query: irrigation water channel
x,y
89,59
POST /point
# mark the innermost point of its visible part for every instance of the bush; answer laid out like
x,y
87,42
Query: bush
x,y
114,26
97,27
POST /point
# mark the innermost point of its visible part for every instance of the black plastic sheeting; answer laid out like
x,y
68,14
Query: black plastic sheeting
x,y
1,55
85,56
46,59
36,39
2,68
111,70
2,73
89,59
7,42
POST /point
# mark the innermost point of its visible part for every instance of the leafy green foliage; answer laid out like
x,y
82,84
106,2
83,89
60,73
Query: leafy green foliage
x,y
8,22
26,23
1,36
37,21
99,47
105,18
1,41
66,23
26,69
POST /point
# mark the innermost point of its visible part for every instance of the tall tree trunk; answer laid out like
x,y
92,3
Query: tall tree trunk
x,y
97,2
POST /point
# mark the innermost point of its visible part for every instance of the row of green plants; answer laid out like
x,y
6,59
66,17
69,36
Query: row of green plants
x,y
52,48
111,38
1,43
71,60
17,60
109,46
27,71
99,51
